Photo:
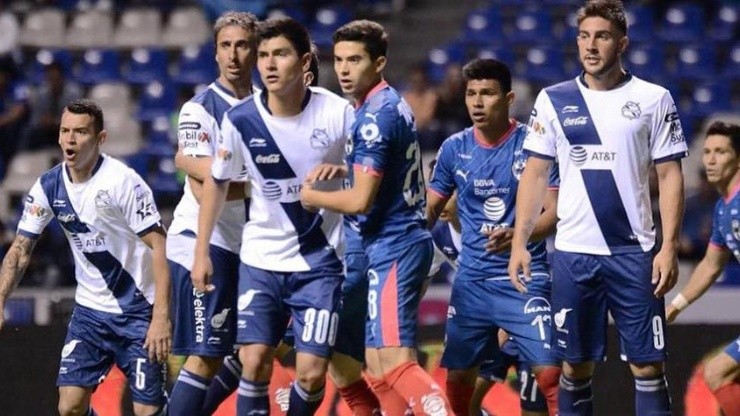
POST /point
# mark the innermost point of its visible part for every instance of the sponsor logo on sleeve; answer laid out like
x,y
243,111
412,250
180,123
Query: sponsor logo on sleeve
x,y
188,125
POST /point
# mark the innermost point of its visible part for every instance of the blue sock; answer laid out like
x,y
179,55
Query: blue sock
x,y
575,397
303,403
188,394
223,384
651,396
252,398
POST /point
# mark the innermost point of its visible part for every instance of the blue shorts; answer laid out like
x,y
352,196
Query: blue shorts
x,y
269,300
205,324
395,281
352,315
733,350
96,340
478,308
586,287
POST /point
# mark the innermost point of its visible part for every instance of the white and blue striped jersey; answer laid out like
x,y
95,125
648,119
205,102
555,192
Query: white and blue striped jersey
x,y
605,143
197,134
278,153
102,218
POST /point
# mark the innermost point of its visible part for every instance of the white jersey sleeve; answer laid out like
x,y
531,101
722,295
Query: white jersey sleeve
x,y
137,203
541,135
196,129
667,138
36,212
230,158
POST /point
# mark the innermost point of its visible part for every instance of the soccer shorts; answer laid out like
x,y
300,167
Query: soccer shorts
x,y
268,300
353,312
395,282
96,340
733,350
205,323
586,287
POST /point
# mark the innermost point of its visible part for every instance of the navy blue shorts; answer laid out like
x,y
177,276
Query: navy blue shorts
x,y
96,340
353,312
269,300
585,287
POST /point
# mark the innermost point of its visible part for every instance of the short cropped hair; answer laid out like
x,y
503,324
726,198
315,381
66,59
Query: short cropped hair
x,y
244,20
726,129
488,69
89,107
296,33
611,10
314,67
367,32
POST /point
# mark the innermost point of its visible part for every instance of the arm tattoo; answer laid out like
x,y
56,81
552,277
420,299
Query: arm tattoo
x,y
14,264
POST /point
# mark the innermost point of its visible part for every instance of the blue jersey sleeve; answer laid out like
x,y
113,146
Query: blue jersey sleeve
x,y
716,238
442,181
373,146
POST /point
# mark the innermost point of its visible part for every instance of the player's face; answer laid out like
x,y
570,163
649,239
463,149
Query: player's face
x,y
234,55
487,103
356,71
280,67
600,46
721,162
79,142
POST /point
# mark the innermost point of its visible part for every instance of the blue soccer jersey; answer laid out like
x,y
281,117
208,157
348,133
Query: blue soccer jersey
x,y
486,178
384,143
726,224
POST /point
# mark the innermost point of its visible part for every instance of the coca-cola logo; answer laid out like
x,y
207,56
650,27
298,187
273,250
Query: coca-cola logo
x,y
575,121
268,159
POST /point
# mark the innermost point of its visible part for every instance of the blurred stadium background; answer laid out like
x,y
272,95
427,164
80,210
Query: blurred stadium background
x,y
141,59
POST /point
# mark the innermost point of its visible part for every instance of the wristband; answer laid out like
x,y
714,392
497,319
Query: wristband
x,y
680,302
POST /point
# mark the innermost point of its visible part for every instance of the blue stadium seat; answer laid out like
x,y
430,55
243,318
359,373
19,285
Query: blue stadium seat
x,y
725,23
146,65
696,62
328,20
483,27
569,31
573,3
160,132
544,65
646,60
532,26
640,23
156,100
502,54
99,66
732,66
440,57
683,22
196,65
45,57
710,98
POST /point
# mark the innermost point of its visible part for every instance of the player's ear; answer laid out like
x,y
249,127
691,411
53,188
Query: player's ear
x,y
380,64
510,97
623,43
102,136
306,62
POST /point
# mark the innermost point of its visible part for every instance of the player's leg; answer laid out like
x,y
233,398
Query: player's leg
x,y
223,384
345,367
261,323
579,332
75,401
395,279
639,317
722,375
531,398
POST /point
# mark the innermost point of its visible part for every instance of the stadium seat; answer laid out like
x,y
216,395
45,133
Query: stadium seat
x,y
145,66
640,23
544,65
295,12
139,27
724,26
196,65
156,100
124,135
532,26
502,54
646,61
439,58
24,170
483,27
732,65
187,26
45,28
45,57
710,98
112,98
696,62
683,22
98,66
160,132
91,29
327,20
569,31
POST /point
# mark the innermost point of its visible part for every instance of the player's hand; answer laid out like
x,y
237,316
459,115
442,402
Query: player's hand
x,y
201,274
325,172
305,189
671,313
158,340
665,271
519,267
499,240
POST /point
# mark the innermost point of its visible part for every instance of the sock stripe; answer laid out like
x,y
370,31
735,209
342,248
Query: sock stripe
x,y
309,397
651,384
187,378
233,366
252,389
574,385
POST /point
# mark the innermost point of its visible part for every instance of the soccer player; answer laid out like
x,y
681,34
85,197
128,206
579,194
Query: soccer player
x,y
605,128
721,160
109,216
205,328
290,256
483,163
386,197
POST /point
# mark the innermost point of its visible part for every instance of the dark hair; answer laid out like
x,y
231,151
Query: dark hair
x,y
611,10
244,20
488,69
314,67
295,32
85,106
367,32
726,129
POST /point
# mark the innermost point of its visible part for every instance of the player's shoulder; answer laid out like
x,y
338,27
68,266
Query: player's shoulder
x,y
53,174
560,87
647,87
115,171
324,97
460,138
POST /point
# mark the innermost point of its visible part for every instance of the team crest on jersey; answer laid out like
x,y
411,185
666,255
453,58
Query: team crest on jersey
x,y
103,199
518,167
736,229
631,110
320,139
349,146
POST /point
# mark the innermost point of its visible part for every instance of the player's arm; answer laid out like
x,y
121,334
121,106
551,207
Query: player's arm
x,y
670,188
159,336
198,168
14,266
435,204
530,199
705,273
356,200
327,172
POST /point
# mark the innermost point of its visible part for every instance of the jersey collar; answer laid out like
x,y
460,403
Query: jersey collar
x,y
499,141
223,89
625,79
379,86
263,99
732,193
94,171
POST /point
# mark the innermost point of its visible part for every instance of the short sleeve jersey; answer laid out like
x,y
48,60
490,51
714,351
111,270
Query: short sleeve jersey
x,y
726,224
384,143
102,218
197,134
278,153
605,143
486,178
